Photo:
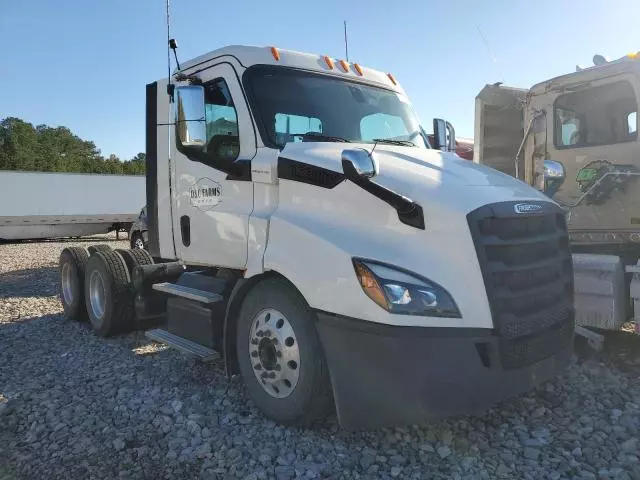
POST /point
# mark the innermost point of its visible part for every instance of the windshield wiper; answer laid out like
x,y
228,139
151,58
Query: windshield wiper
x,y
402,143
315,136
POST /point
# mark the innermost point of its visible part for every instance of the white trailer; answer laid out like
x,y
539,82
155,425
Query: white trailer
x,y
50,205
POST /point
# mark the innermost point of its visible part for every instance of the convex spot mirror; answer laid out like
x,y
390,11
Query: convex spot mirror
x,y
554,175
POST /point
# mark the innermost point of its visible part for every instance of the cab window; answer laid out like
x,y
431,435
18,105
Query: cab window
x,y
382,125
222,123
602,115
290,128
632,126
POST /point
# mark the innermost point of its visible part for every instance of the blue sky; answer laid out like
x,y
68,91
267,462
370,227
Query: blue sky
x,y
84,64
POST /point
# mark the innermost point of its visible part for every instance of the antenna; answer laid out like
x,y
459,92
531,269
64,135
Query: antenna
x,y
168,43
493,57
171,45
346,42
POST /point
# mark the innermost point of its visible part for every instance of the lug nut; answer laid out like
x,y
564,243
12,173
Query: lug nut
x,y
254,354
254,341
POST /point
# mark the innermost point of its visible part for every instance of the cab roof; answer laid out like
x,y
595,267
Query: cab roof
x,y
616,67
247,56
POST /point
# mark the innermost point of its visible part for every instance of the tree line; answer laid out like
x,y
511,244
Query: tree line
x,y
42,148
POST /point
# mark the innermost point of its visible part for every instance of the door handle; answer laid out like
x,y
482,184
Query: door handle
x,y
185,230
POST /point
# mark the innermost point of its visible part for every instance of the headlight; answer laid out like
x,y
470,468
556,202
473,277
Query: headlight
x,y
402,292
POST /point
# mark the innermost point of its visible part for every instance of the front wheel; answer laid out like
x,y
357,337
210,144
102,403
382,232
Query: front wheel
x,y
280,356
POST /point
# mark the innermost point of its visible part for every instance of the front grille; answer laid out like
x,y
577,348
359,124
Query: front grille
x,y
527,271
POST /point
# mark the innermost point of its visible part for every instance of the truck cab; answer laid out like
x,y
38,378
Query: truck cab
x,y
575,137
301,224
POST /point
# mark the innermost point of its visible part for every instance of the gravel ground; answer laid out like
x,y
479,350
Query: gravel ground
x,y
76,406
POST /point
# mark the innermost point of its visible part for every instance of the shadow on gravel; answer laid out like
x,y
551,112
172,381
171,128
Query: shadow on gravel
x,y
31,282
623,350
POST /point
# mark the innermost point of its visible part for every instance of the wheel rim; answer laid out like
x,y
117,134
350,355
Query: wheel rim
x,y
274,351
139,243
67,283
97,294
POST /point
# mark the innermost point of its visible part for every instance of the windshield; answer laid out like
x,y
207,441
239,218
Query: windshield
x,y
293,106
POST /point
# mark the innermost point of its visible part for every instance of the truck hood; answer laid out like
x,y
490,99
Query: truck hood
x,y
415,172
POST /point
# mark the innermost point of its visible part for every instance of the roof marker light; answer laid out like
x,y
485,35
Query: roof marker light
x,y
275,53
393,80
358,69
345,66
634,55
328,61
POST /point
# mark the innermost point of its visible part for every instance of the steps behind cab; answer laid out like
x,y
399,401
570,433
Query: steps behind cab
x,y
195,311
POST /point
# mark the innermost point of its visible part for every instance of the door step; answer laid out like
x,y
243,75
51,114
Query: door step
x,y
200,296
182,344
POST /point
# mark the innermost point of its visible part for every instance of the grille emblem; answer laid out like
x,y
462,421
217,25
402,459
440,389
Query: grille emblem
x,y
526,207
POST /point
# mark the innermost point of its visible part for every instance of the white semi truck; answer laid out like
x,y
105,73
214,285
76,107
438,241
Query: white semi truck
x,y
575,137
37,205
301,226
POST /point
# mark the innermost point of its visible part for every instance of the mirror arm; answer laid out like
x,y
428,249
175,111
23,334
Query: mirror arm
x,y
409,212
452,137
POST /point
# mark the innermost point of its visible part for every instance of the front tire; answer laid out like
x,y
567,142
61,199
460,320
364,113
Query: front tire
x,y
108,294
280,356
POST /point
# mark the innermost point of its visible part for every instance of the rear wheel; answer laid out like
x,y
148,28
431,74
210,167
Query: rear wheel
x,y
280,356
135,257
100,247
108,294
73,263
137,241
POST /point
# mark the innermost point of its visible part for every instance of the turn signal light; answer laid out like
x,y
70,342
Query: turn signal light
x,y
370,285
275,53
329,62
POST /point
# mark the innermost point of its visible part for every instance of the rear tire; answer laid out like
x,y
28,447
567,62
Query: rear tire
x,y
297,388
73,264
108,294
134,258
100,247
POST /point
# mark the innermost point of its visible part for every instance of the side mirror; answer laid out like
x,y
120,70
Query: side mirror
x,y
554,175
439,133
190,116
357,163
444,135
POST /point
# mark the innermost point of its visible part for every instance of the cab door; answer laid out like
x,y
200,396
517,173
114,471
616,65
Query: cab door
x,y
591,129
212,194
